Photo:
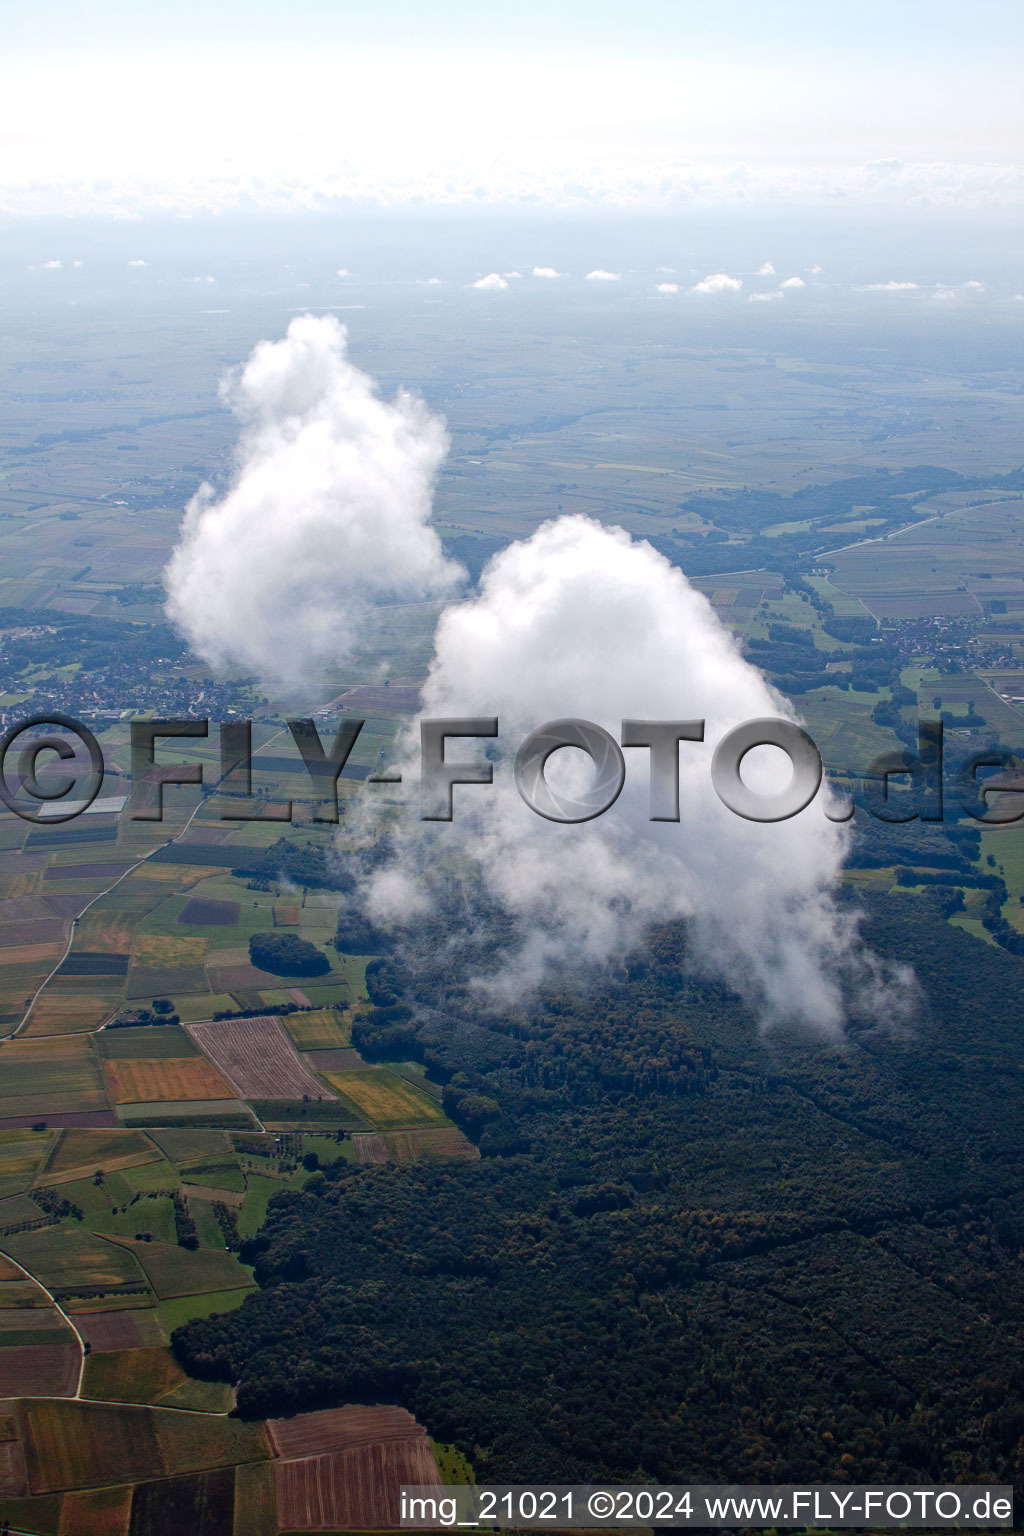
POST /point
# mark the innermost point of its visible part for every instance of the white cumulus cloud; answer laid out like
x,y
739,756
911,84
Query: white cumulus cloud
x,y
718,282
51,266
766,270
546,272
492,283
793,282
326,514
582,621
599,275
667,288
890,287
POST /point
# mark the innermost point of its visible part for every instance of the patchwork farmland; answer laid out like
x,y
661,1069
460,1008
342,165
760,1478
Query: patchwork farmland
x,y
133,1168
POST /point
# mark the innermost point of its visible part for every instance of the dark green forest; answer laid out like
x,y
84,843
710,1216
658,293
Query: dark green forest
x,y
687,1252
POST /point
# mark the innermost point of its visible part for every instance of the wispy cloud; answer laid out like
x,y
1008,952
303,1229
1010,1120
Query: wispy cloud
x,y
137,261
546,272
625,185
766,270
764,298
890,287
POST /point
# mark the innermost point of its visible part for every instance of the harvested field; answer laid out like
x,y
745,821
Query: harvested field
x,y
203,1504
387,1100
143,1375
119,1330
41,1075
153,1040
287,917
352,1490
205,912
296,995
80,1445
369,1147
321,1029
56,1014
41,955
96,1512
174,1271
339,1060
257,1059
429,1146
143,1081
40,1370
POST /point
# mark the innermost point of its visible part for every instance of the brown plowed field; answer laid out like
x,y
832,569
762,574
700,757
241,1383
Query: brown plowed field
x,y
341,1429
117,1330
40,1370
351,1490
257,1058
206,912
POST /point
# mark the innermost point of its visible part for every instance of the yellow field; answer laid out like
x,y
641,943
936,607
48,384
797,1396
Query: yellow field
x,y
165,949
387,1100
144,1080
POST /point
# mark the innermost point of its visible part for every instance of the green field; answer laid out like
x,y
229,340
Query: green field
x,y
174,1271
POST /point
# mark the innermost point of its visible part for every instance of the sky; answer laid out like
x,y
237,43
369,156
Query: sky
x,y
453,101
